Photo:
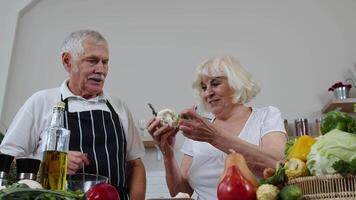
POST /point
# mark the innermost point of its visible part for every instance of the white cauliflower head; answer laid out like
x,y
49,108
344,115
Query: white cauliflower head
x,y
168,116
267,192
182,195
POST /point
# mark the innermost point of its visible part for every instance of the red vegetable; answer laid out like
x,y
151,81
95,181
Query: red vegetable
x,y
102,191
268,172
235,187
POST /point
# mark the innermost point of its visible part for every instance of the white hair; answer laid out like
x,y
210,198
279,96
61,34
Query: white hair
x,y
73,44
238,78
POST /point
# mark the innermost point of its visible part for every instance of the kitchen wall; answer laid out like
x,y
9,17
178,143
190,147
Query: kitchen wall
x,y
294,49
9,11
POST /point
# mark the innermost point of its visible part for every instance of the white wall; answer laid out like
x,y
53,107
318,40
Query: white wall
x,y
8,20
294,49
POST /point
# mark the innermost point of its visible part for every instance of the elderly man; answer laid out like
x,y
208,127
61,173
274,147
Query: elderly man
x,y
104,139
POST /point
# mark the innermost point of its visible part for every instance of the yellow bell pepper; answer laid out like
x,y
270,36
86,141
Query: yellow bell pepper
x,y
301,147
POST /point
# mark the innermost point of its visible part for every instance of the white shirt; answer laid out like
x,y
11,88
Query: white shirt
x,y
23,136
208,161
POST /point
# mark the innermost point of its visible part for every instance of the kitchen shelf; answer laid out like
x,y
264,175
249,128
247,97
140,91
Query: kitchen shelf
x,y
345,105
148,142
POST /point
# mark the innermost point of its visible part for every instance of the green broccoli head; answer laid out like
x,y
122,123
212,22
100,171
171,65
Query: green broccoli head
x,y
336,120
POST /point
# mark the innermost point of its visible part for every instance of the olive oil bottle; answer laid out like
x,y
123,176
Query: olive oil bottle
x,y
55,157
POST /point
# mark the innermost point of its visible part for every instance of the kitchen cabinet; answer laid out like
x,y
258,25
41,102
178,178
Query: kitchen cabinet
x,y
148,141
345,105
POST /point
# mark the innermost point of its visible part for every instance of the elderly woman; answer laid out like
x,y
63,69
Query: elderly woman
x,y
223,86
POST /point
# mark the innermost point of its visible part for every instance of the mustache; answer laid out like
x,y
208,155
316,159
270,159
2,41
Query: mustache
x,y
97,77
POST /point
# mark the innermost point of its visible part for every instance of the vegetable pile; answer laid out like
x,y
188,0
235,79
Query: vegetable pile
x,y
32,190
294,166
333,152
273,187
22,191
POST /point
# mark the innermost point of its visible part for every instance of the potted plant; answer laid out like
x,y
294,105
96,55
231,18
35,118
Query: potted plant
x,y
341,90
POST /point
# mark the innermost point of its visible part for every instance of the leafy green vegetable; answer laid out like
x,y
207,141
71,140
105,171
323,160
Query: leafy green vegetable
x,y
277,179
353,166
351,127
337,120
20,191
341,167
13,187
344,168
288,146
329,148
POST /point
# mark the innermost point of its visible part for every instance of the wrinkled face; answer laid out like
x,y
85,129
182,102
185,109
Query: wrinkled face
x,y
88,71
216,94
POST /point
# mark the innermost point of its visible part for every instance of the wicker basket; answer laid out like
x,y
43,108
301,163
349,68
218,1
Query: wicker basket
x,y
327,187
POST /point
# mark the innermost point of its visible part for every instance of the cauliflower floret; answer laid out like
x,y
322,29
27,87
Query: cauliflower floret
x,y
295,168
31,183
267,192
182,195
168,116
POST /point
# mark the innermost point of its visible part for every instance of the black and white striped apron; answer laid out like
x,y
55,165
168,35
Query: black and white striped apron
x,y
100,134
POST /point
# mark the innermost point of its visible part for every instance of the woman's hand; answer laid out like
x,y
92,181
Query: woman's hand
x,y
76,161
164,136
196,127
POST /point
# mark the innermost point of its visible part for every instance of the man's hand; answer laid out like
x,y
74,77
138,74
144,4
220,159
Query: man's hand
x,y
76,161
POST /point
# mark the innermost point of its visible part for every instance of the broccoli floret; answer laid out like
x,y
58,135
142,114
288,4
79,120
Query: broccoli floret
x,y
336,120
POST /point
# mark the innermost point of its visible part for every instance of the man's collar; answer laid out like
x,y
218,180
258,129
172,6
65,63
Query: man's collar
x,y
66,93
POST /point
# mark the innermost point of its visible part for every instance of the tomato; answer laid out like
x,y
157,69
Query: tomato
x,y
102,191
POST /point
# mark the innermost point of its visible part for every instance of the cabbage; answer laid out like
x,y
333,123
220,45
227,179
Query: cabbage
x,y
329,148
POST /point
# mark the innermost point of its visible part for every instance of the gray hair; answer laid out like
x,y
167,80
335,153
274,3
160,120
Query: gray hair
x,y
74,42
238,78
